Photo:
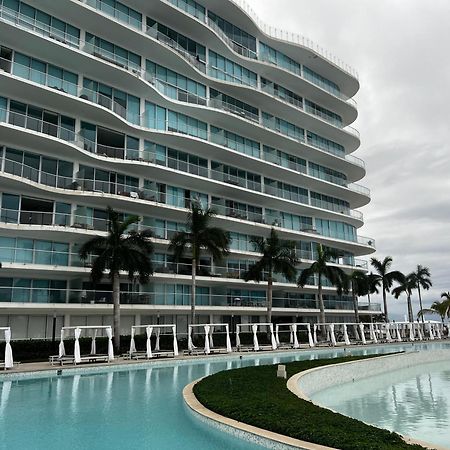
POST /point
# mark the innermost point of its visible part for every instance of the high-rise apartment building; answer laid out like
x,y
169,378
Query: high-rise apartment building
x,y
144,106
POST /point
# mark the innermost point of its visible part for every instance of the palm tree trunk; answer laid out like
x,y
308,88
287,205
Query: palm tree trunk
x,y
269,298
410,311
193,289
420,301
321,304
386,315
368,297
116,302
355,304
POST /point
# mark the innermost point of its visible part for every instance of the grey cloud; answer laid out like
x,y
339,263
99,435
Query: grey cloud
x,y
400,49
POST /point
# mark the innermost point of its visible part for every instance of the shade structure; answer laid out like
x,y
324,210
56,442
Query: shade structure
x,y
77,330
209,329
149,329
9,361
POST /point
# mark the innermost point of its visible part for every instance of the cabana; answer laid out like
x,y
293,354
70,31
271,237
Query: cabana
x,y
254,327
342,333
8,362
157,352
77,358
209,346
411,331
293,339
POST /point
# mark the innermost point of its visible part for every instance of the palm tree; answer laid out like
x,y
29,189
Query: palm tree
x,y
440,308
358,281
385,278
199,236
278,256
406,285
422,280
373,283
323,270
122,249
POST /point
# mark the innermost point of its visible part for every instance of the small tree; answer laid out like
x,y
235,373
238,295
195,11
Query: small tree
x,y
440,308
323,270
199,236
278,256
122,249
386,278
422,279
406,286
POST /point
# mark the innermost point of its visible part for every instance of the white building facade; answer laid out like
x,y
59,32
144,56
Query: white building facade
x,y
145,106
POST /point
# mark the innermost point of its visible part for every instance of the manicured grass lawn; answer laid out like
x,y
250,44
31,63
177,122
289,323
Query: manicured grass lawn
x,y
255,396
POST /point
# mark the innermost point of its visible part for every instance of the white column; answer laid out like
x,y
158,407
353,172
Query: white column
x,y
61,350
9,362
94,344
175,342
207,347
227,330
238,339
190,343
310,338
132,343
76,350
363,337
110,344
277,336
255,337
149,331
294,333
157,343
272,338
332,336
346,339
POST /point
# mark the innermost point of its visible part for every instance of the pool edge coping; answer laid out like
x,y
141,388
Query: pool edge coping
x,y
292,385
287,442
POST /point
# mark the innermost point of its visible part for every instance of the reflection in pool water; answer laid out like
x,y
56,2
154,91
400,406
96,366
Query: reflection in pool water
x,y
414,401
128,409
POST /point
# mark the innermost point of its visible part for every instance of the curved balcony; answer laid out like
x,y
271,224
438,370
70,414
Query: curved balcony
x,y
41,29
275,36
41,79
254,189
52,224
133,120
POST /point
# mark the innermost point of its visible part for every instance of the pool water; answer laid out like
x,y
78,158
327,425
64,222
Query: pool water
x,y
414,402
127,409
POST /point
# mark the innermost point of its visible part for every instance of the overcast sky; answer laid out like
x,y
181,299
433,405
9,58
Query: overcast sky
x,y
401,49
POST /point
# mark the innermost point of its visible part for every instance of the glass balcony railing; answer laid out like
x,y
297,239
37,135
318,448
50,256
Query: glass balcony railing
x,y
78,139
6,14
136,297
26,22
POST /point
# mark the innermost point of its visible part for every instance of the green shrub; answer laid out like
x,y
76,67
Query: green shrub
x,y
254,395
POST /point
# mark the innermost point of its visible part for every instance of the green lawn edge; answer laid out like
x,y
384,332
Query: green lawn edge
x,y
255,396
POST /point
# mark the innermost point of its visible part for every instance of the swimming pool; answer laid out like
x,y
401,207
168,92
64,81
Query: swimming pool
x,y
136,407
413,401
